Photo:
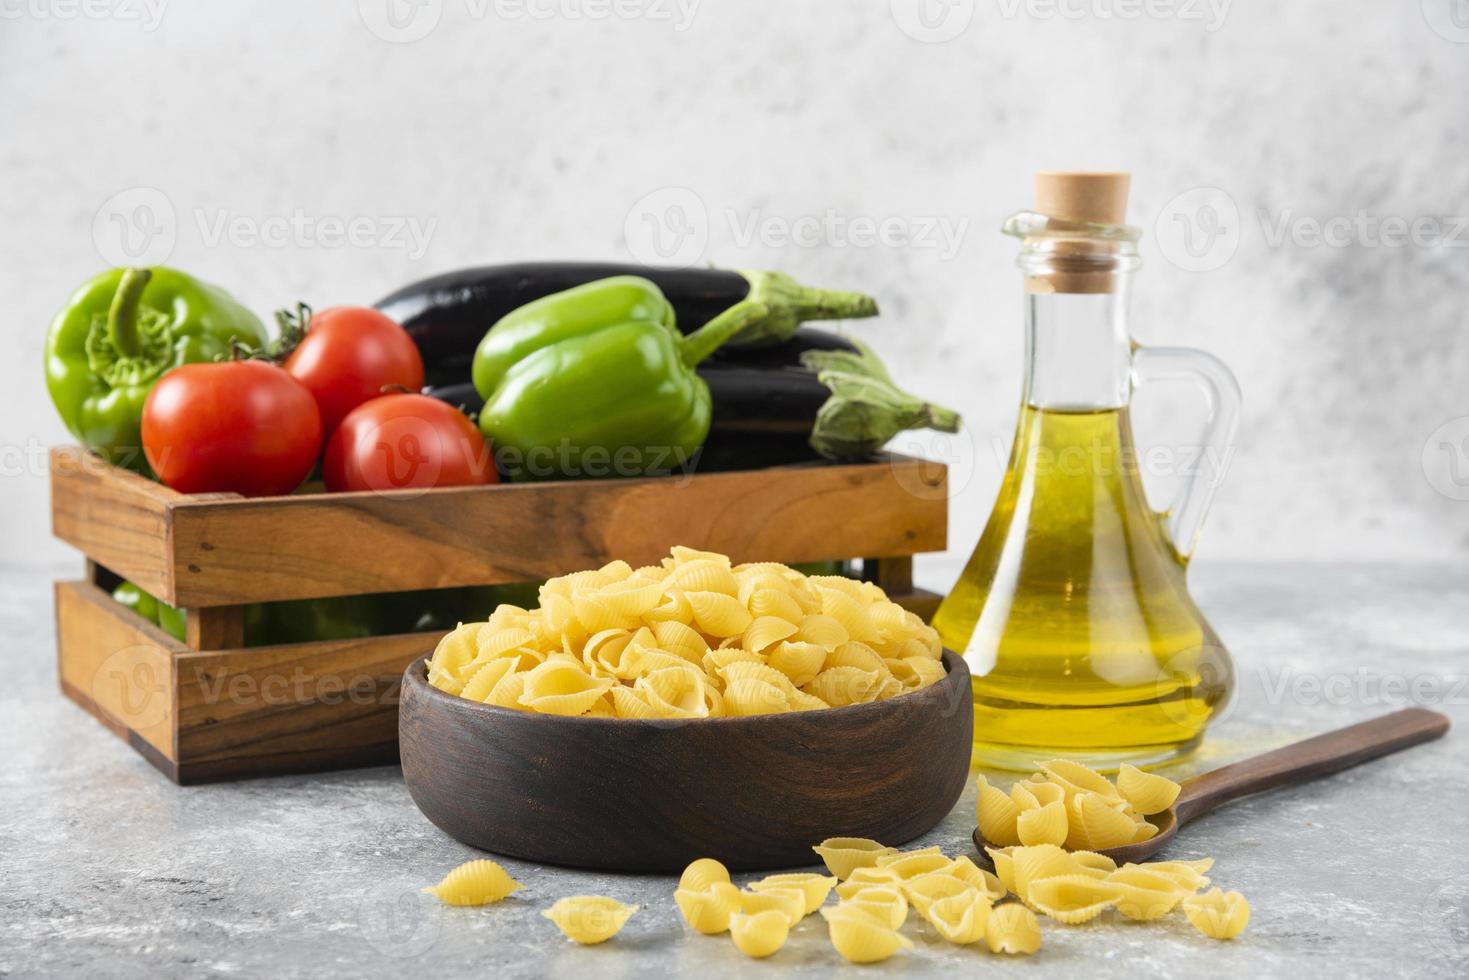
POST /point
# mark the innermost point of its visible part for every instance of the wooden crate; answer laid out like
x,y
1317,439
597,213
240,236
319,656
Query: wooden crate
x,y
211,708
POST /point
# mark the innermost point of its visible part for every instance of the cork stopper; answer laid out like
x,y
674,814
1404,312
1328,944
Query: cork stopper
x,y
1100,198
1083,263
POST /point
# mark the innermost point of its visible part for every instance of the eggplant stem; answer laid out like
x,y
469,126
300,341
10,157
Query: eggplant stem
x,y
719,331
792,303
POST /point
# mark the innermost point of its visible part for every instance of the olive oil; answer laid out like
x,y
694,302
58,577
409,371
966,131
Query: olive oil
x,y
1073,611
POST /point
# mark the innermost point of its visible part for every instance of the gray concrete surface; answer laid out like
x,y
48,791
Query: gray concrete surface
x,y
107,869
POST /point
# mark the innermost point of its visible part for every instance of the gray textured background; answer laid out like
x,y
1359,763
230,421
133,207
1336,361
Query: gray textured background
x,y
535,128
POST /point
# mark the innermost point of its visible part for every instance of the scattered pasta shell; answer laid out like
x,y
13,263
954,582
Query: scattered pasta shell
x,y
962,918
1043,825
860,938
1189,874
1030,796
868,878
1145,895
1012,928
709,910
1031,864
1004,864
1077,778
1148,792
913,864
702,873
923,892
843,855
589,919
986,883
814,887
1072,899
759,934
1218,914
474,883
884,903
789,902
996,814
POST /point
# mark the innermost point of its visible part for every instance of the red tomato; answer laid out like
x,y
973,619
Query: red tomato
x,y
400,441
232,427
349,354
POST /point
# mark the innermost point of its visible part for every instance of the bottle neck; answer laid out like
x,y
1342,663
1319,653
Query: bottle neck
x,y
1078,349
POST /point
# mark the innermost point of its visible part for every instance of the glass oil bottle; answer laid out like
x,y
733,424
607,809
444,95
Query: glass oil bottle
x,y
1073,612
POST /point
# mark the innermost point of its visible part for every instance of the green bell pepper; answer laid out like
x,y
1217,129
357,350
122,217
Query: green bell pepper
x,y
597,381
118,334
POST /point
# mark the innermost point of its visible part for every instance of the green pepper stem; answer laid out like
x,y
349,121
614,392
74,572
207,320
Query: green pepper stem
x,y
720,330
122,316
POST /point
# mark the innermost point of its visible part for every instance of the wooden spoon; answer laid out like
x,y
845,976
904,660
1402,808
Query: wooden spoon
x,y
1319,756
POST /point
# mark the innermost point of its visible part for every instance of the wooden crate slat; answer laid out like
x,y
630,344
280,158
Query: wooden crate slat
x,y
235,550
116,665
116,518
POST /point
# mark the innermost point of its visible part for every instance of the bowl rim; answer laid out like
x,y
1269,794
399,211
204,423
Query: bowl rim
x,y
416,674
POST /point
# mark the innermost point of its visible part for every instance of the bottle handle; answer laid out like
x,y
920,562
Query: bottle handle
x,y
1184,518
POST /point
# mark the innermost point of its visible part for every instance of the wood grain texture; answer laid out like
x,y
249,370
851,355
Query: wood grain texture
x,y
232,551
650,796
116,518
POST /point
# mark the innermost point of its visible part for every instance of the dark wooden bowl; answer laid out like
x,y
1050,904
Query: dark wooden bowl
x,y
632,795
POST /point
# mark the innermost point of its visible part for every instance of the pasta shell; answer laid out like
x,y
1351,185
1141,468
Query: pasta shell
x,y
485,678
1077,778
800,662
506,693
759,935
1188,874
1218,914
1033,864
681,555
680,639
747,671
589,919
716,660
789,902
1144,895
704,575
474,883
702,873
840,583
1148,792
860,938
840,686
848,611
674,608
561,688
928,670
1072,899
927,889
913,865
630,703
883,903
767,631
718,614
814,887
1012,928
708,911
677,692
873,877
985,882
1044,825
1004,862
996,813
961,918
1096,826
1031,796
1094,863
824,631
775,602
860,655
754,697
801,701
844,855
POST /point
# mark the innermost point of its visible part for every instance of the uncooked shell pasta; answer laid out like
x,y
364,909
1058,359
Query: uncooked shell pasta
x,y
693,637
1068,804
589,919
474,883
759,934
1218,914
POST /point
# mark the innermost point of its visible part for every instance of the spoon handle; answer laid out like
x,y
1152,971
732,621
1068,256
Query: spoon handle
x,y
1307,760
